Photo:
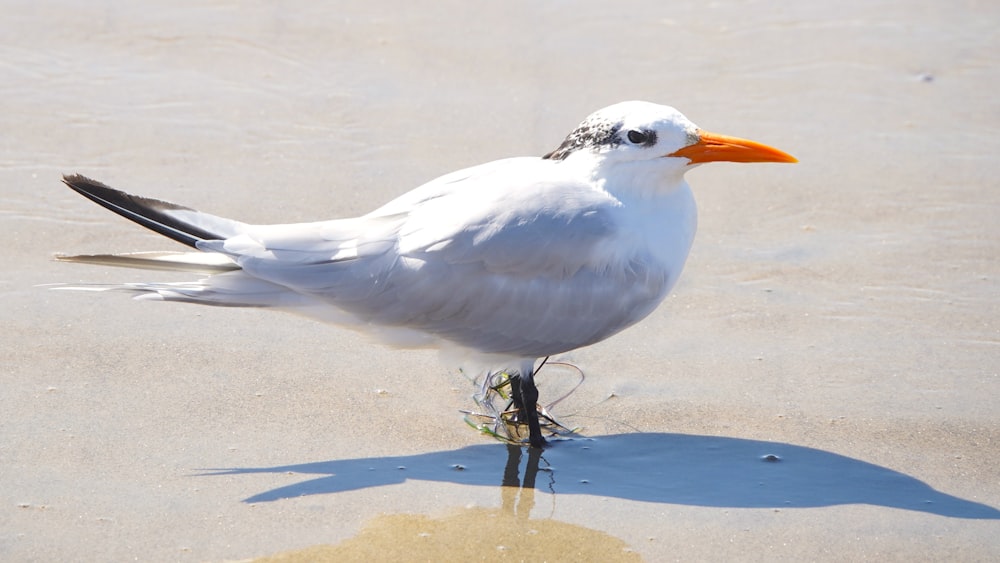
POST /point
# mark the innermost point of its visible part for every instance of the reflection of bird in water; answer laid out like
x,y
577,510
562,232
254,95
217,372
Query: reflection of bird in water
x,y
474,534
513,488
506,263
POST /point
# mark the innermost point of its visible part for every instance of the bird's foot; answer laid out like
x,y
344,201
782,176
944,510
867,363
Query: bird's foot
x,y
502,417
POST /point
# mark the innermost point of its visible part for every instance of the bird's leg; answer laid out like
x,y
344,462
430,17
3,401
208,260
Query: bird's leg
x,y
516,401
523,406
525,393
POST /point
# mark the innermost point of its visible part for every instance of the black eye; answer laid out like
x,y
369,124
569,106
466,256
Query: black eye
x,y
638,137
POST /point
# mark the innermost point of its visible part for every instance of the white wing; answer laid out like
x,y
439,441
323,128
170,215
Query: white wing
x,y
484,258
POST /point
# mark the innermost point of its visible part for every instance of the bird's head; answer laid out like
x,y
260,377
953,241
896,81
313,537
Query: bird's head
x,y
657,135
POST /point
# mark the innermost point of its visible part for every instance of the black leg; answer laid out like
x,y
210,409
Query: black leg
x,y
524,400
528,395
515,396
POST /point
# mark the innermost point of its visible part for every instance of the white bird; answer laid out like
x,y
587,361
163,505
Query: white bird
x,y
507,262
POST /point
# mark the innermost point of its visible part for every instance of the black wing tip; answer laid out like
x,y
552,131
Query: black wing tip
x,y
81,183
148,212
70,179
95,190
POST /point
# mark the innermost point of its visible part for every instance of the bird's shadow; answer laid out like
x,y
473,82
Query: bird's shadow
x,y
649,467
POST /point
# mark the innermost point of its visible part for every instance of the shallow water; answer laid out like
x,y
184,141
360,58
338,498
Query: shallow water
x,y
843,309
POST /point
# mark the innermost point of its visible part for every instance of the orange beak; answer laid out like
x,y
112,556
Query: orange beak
x,y
712,147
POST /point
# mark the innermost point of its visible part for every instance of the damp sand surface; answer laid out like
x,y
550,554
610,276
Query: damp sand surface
x,y
821,385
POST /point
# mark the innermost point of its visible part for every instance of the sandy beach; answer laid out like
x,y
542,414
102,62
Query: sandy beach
x,y
822,384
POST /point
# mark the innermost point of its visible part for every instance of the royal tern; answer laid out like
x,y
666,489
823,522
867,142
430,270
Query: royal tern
x,y
505,263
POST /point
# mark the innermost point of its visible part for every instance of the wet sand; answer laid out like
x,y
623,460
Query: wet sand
x,y
822,383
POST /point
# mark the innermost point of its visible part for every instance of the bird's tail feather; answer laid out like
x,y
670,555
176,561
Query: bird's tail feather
x,y
183,224
194,262
228,289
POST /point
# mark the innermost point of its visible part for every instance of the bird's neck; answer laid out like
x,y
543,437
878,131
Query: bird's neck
x,y
640,181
